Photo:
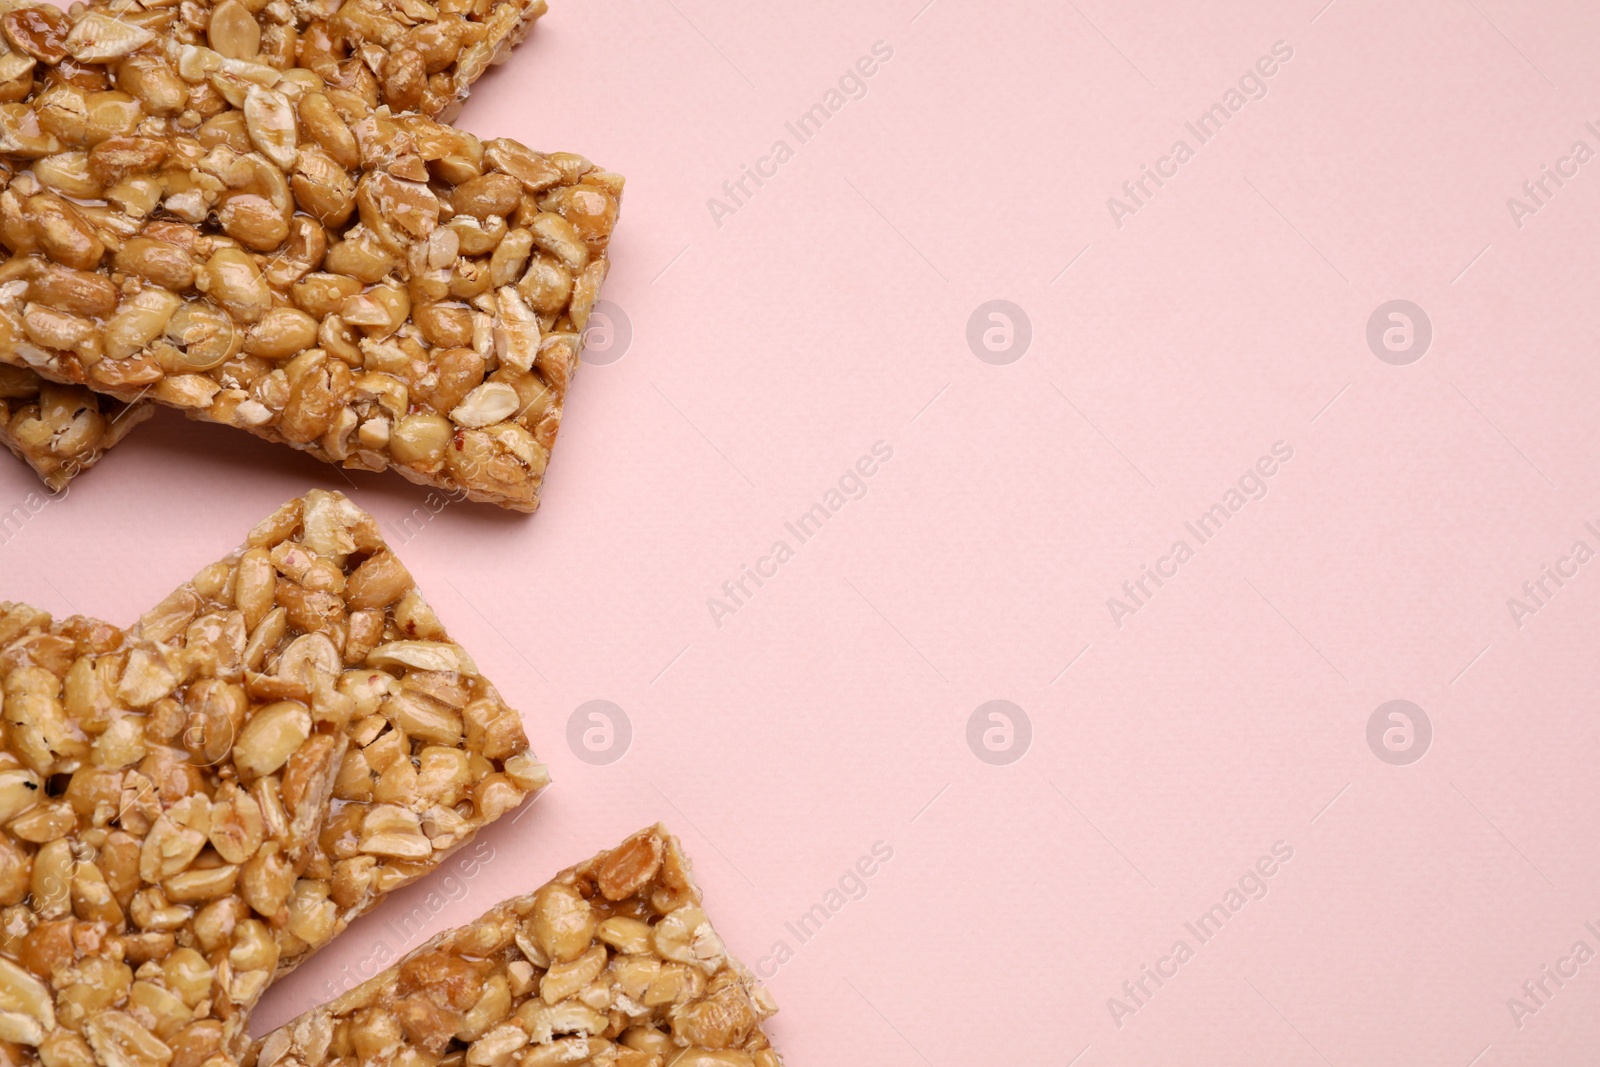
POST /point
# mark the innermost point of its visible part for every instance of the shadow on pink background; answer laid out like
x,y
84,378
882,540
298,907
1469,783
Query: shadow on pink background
x,y
1183,762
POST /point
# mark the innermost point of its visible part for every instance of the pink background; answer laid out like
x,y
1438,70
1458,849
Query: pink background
x,y
829,312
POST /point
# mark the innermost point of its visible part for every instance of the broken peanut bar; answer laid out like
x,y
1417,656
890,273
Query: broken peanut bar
x,y
164,791
612,963
167,847
412,55
316,611
156,817
60,430
350,46
456,275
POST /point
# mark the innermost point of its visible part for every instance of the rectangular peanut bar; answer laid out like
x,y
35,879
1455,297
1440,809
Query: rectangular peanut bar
x,y
611,963
349,43
311,640
232,93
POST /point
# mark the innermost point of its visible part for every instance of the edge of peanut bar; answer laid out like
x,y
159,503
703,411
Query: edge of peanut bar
x,y
715,1019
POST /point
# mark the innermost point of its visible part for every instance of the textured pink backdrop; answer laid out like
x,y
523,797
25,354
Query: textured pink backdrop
x,y
778,339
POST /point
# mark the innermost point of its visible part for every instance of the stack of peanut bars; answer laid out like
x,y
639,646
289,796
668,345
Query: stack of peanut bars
x,y
255,213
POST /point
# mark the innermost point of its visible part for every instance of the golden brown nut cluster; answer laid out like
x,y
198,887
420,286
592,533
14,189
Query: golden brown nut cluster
x,y
156,821
60,430
412,55
435,753
165,791
611,964
278,248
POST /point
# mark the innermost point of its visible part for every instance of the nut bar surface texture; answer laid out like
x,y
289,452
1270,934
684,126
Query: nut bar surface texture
x,y
146,857
611,964
260,247
350,44
60,430
322,615
196,804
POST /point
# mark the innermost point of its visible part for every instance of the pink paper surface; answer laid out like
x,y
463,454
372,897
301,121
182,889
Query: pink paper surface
x,y
788,336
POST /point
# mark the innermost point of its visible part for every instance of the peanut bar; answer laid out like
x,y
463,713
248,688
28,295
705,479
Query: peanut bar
x,y
413,55
457,274
60,430
611,964
435,753
351,43
192,871
156,819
